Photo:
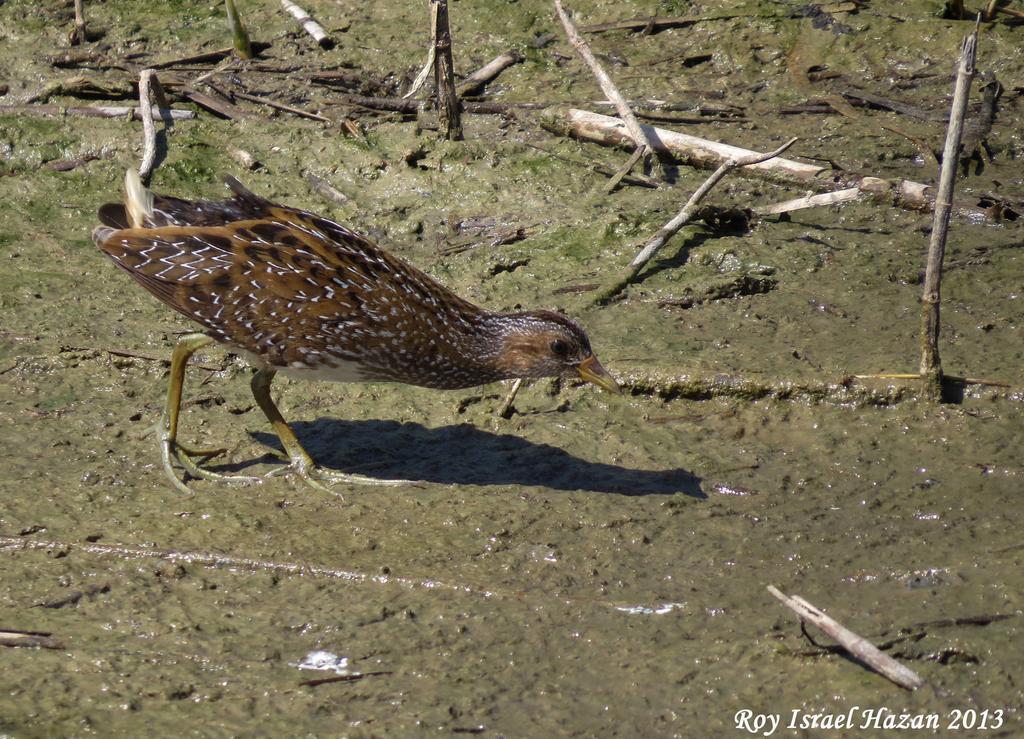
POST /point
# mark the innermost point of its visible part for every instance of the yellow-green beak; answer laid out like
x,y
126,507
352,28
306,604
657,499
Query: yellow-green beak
x,y
592,371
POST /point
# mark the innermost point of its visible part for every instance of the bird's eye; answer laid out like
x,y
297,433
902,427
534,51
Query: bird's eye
x,y
559,347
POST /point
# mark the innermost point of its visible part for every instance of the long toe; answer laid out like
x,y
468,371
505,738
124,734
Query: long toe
x,y
186,459
314,476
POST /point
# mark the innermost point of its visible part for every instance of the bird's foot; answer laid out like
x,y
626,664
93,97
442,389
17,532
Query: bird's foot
x,y
303,468
187,458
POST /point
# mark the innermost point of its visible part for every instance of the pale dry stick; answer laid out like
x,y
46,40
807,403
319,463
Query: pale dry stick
x,y
223,66
148,129
230,563
931,364
311,27
836,197
162,103
636,131
693,150
449,107
11,638
421,78
148,82
213,559
913,376
489,71
856,645
94,111
325,189
625,277
683,217
505,411
428,67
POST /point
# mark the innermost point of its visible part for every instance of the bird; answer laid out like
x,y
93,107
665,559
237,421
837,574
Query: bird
x,y
298,293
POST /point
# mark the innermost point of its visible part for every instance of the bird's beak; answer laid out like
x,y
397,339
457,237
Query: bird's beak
x,y
592,371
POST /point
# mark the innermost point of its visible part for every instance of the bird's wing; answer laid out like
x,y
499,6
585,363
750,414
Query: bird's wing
x,y
256,283
171,211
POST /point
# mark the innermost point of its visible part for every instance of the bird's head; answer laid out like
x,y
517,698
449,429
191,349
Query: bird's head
x,y
547,344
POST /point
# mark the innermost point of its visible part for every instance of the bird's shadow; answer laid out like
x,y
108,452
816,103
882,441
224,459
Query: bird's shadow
x,y
465,455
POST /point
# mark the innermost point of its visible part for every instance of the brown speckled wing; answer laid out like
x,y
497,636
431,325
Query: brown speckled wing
x,y
296,289
171,211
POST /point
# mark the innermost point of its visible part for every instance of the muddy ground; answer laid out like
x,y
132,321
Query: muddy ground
x,y
593,565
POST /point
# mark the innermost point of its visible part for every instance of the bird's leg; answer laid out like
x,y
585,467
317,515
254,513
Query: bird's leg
x,y
169,446
302,464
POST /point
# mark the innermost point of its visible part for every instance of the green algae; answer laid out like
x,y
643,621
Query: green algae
x,y
492,596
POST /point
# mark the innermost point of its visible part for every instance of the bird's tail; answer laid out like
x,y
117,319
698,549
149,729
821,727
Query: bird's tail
x,y
138,200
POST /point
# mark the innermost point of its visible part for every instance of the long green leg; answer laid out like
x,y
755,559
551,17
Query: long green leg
x,y
169,446
302,464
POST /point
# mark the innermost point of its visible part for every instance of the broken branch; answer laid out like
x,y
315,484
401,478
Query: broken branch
x,y
856,645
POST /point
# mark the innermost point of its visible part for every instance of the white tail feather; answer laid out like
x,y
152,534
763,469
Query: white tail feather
x,y
138,200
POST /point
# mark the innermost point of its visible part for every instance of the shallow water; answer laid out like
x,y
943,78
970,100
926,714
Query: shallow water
x,y
594,565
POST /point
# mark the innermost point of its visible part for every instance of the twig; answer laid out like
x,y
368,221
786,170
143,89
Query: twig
x,y
428,67
505,411
672,385
931,364
448,103
631,179
893,105
311,27
342,678
688,149
624,170
66,165
281,106
653,23
214,559
222,66
216,104
94,111
488,72
698,152
743,285
636,131
16,638
206,56
136,355
836,197
81,85
683,217
1009,11
410,107
325,189
149,149
858,646
948,378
